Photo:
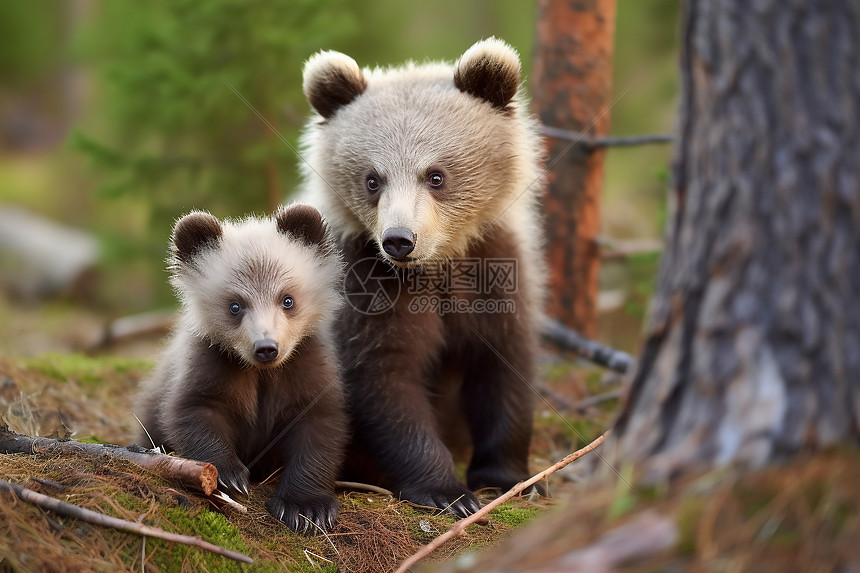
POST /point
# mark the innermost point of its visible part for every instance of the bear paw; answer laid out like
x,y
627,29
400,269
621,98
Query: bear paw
x,y
455,498
233,477
306,516
502,480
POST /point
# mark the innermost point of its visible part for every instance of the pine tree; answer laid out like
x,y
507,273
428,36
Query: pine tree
x,y
175,77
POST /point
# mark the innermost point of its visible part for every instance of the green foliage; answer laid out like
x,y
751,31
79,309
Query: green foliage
x,y
688,515
181,137
626,498
642,276
31,41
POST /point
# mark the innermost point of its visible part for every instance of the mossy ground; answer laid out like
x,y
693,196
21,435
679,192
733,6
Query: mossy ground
x,y
91,398
802,516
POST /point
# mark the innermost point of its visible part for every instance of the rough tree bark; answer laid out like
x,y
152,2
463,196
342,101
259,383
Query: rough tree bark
x,y
571,86
752,347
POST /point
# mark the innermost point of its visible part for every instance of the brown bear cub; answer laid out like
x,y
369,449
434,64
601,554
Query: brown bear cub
x,y
249,381
429,174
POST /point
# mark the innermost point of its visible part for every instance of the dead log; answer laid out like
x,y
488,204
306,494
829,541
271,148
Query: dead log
x,y
201,476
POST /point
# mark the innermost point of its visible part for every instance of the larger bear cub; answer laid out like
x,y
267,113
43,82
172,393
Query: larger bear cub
x,y
430,172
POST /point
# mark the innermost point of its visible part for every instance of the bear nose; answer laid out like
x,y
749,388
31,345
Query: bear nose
x,y
398,242
265,350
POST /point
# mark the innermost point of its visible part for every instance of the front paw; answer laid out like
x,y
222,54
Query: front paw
x,y
454,498
233,476
502,480
307,515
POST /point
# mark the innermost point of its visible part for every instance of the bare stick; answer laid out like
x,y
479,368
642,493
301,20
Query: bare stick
x,y
362,486
587,403
201,476
70,510
590,142
567,339
461,525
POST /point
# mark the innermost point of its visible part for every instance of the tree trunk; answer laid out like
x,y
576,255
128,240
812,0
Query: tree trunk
x,y
571,84
752,347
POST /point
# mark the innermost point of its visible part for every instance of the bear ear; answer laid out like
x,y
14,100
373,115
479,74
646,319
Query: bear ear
x,y
490,70
330,81
302,222
194,232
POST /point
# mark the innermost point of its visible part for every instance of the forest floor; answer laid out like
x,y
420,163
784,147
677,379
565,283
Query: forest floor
x,y
54,381
57,381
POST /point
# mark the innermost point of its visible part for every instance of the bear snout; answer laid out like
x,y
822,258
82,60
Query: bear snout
x,y
398,242
265,350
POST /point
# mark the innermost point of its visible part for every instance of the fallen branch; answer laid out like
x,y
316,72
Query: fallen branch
x,y
592,401
461,525
201,476
590,142
70,510
155,323
621,249
561,403
567,339
354,485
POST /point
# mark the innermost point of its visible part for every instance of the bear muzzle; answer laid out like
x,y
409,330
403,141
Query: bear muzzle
x,y
265,351
398,242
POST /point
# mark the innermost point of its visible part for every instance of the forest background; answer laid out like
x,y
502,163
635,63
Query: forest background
x,y
116,118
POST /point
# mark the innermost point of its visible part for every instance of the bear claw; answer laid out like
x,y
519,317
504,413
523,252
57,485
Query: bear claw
x,y
457,500
306,516
234,479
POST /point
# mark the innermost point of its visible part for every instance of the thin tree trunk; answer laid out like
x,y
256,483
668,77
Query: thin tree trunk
x,y
753,339
571,86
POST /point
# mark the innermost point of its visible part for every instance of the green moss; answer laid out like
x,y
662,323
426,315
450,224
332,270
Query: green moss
x,y
576,432
687,518
840,515
514,516
556,370
754,499
84,369
212,527
130,502
626,498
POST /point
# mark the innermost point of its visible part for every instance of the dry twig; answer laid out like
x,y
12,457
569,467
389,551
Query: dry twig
x,y
70,510
354,485
461,525
201,476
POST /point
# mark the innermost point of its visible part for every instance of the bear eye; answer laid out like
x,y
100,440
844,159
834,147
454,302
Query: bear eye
x,y
287,302
435,180
235,308
372,183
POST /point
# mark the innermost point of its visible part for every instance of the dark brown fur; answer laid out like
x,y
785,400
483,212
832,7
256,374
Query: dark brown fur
x,y
206,401
193,233
371,167
393,387
230,415
488,79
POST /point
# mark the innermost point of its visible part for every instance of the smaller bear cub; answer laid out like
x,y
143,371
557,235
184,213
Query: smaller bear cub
x,y
249,380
